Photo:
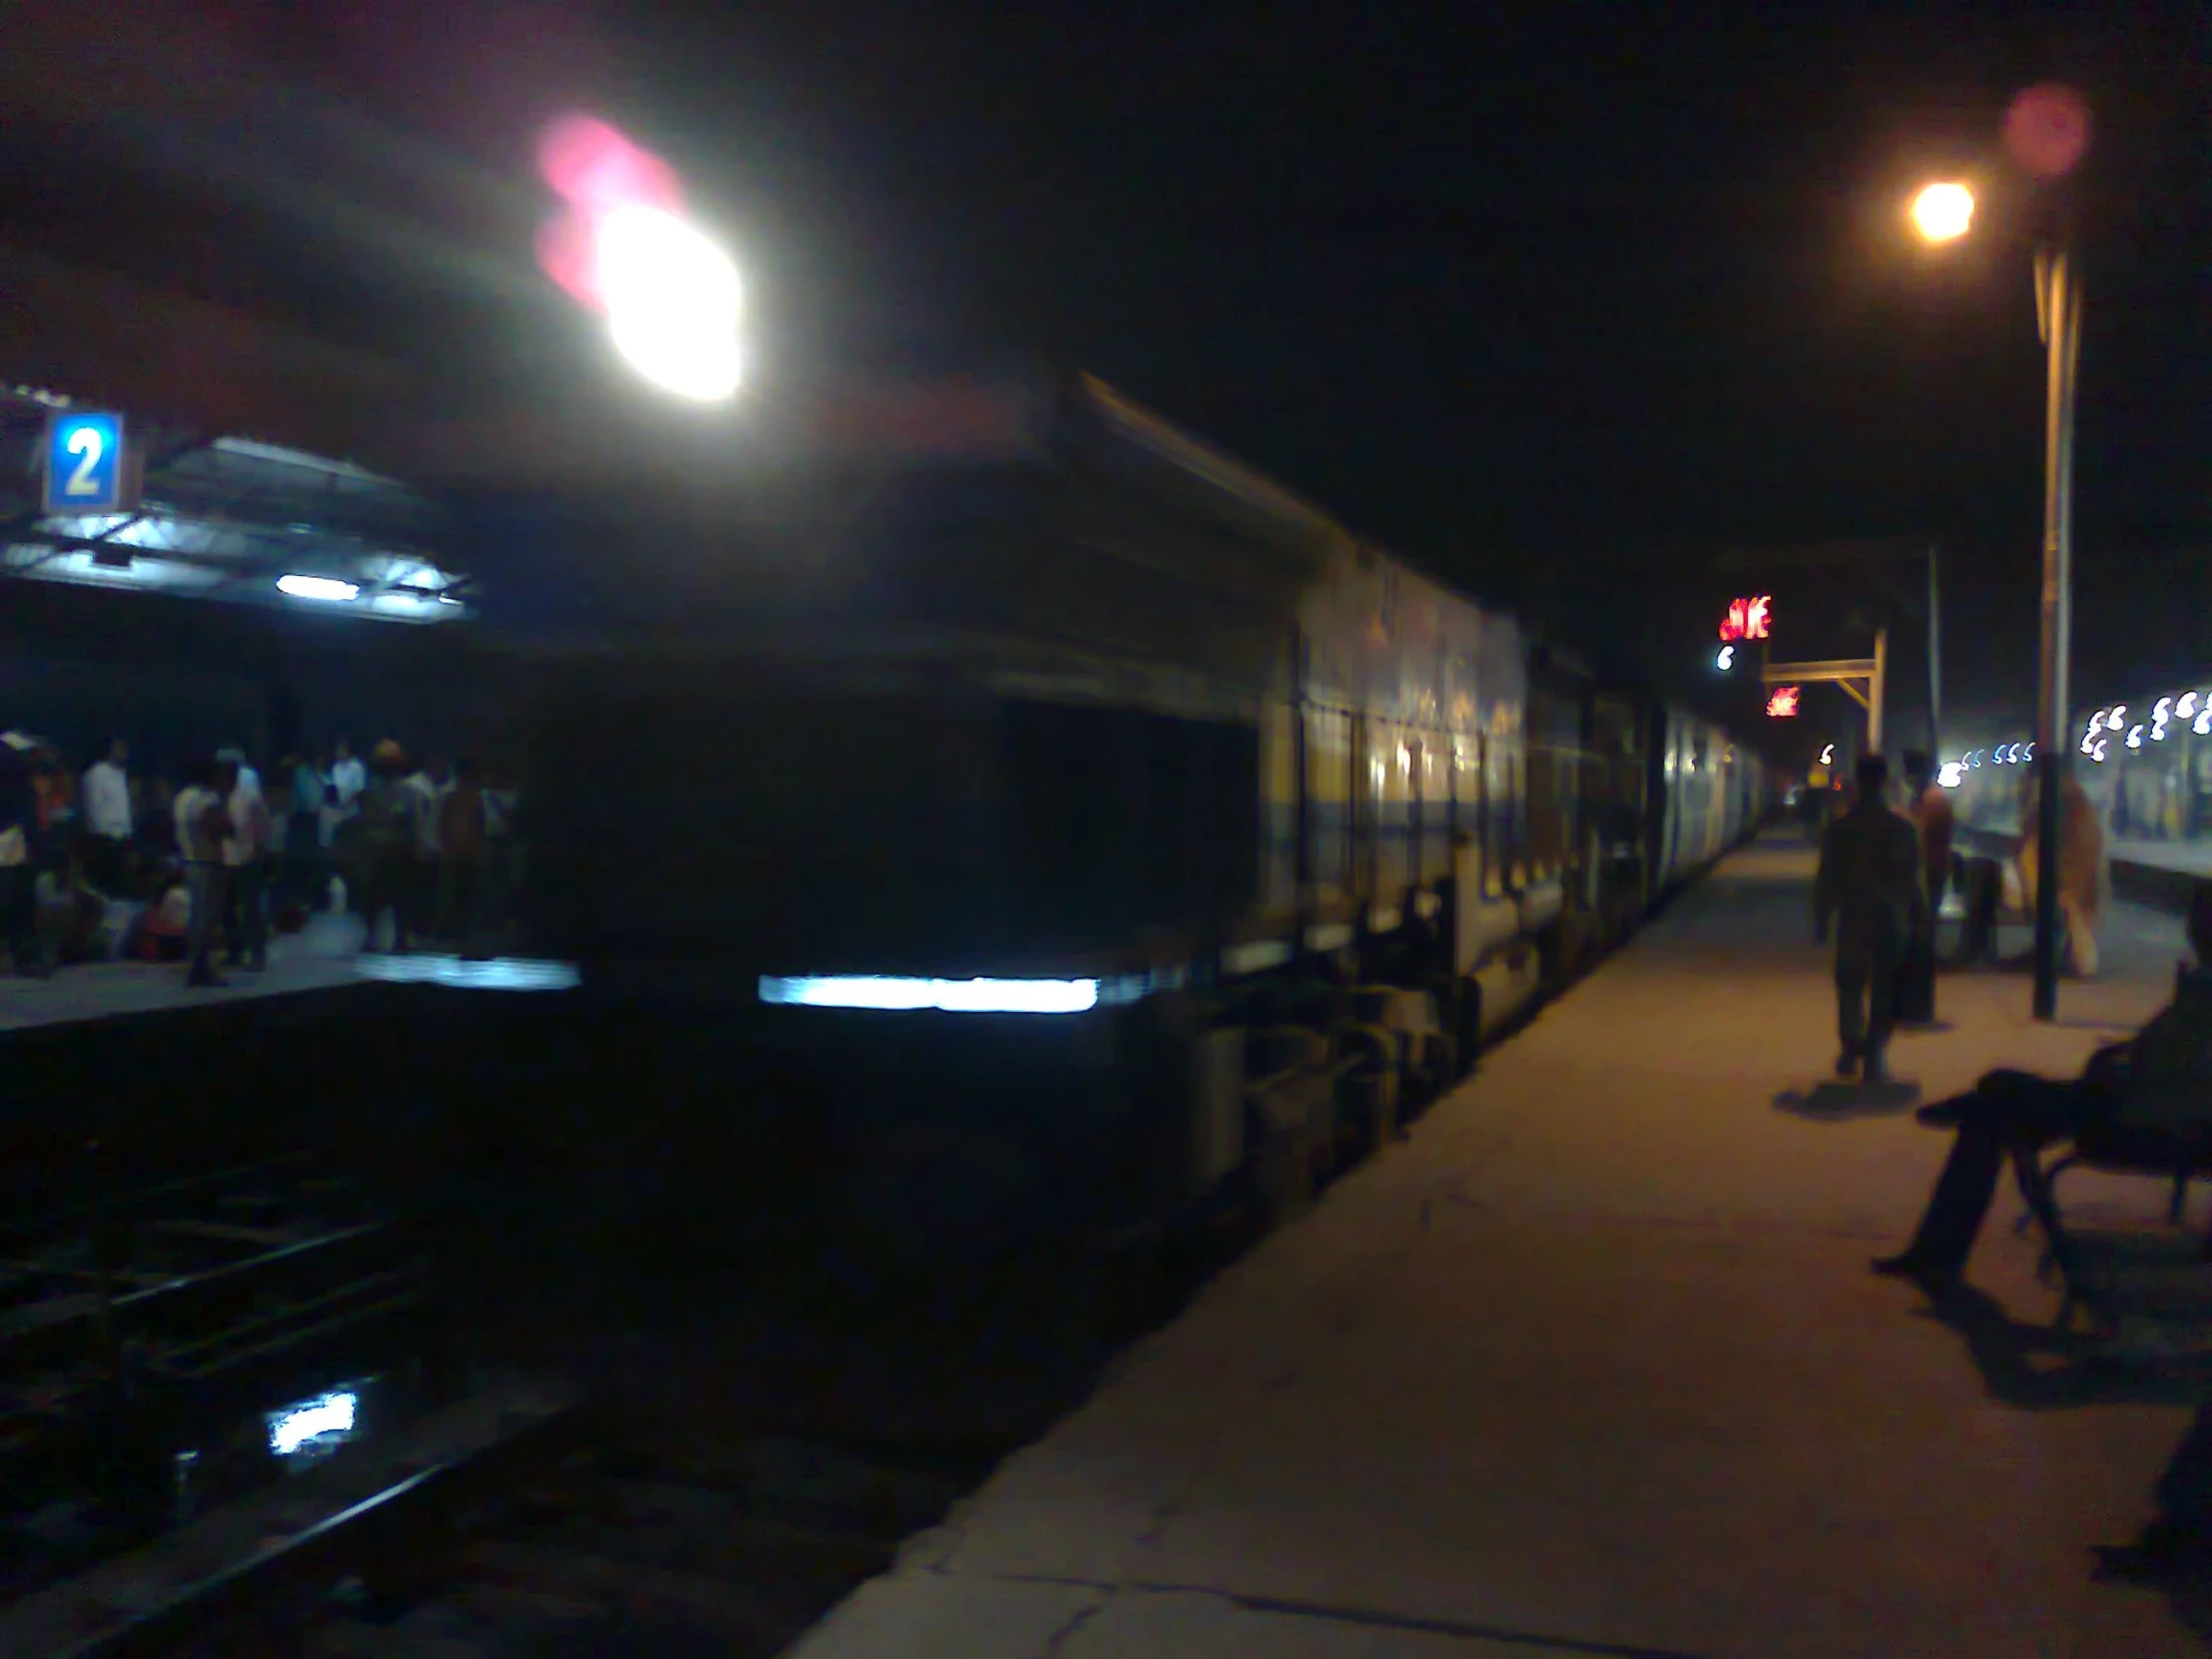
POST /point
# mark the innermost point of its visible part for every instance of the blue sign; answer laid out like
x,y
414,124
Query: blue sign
x,y
84,462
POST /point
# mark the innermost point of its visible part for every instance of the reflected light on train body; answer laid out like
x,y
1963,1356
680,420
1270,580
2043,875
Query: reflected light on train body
x,y
891,995
327,590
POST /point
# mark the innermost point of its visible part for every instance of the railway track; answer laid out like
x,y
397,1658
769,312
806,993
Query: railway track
x,y
145,1329
521,1520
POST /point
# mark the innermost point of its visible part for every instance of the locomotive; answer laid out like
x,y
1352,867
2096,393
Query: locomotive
x,y
1095,801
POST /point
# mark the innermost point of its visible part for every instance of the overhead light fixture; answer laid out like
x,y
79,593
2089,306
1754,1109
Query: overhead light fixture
x,y
327,589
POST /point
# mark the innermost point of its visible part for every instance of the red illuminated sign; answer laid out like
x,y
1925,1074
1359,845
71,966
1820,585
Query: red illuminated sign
x,y
1748,619
1782,704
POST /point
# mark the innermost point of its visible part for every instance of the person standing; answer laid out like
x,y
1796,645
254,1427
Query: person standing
x,y
202,824
386,844
18,868
2084,874
244,862
235,757
1929,809
1927,804
1868,886
108,819
427,789
349,777
461,834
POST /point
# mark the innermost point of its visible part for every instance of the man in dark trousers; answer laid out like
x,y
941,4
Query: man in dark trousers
x,y
1869,887
1927,804
2152,1093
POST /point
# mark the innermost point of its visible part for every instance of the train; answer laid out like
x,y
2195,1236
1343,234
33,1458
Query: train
x,y
1090,826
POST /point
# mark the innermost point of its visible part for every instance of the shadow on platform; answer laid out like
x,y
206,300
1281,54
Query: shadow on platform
x,y
1840,1102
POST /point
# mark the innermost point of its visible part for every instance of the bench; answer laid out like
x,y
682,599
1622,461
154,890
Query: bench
x,y
2141,1288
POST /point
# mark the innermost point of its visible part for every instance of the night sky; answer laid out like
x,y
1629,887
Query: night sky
x,y
1564,302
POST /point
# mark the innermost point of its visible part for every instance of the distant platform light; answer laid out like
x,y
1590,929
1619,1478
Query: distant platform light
x,y
1951,776
327,590
888,994
1726,660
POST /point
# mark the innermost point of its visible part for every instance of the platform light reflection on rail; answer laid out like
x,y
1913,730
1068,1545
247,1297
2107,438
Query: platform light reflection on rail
x,y
499,973
953,996
295,1427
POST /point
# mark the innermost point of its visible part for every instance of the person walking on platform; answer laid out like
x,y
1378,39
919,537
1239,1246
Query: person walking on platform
x,y
1868,886
2154,1089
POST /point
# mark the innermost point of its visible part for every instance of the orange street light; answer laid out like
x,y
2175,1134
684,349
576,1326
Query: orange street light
x,y
1943,212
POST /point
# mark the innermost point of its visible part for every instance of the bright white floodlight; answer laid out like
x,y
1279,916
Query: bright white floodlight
x,y
672,299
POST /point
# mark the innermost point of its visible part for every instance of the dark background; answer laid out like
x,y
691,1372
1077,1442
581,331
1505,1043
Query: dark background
x,y
1571,304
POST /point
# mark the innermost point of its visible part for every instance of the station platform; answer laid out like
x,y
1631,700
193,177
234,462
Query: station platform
x,y
1591,1363
84,993
2181,857
118,990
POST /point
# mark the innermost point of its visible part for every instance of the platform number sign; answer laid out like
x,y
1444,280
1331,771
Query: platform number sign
x,y
84,463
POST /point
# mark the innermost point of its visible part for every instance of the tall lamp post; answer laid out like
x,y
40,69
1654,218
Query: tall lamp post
x,y
2047,132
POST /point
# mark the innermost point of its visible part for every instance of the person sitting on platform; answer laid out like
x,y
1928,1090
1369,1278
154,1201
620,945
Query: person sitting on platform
x,y
2155,1089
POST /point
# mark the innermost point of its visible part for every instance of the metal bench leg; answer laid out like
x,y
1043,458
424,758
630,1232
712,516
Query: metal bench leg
x,y
2038,1186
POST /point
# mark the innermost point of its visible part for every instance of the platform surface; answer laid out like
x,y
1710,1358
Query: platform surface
x,y
1592,1364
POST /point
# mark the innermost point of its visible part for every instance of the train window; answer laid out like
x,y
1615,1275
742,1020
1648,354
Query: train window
x,y
1467,788
1392,773
1278,752
1328,797
1434,777
1503,775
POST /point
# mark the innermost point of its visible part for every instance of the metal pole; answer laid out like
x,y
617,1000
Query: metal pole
x,y
2060,310
1875,688
1934,660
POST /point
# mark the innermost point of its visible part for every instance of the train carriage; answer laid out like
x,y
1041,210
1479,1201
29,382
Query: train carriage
x,y
1097,770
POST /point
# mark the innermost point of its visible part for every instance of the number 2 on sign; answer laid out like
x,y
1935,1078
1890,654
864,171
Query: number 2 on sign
x,y
87,443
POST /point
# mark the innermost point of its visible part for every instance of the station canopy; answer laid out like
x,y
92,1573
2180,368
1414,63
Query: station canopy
x,y
231,519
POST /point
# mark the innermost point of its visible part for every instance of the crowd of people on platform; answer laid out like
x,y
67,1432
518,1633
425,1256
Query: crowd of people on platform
x,y
110,862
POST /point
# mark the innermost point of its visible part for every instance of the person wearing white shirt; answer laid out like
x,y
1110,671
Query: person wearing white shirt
x,y
106,802
249,780
348,777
